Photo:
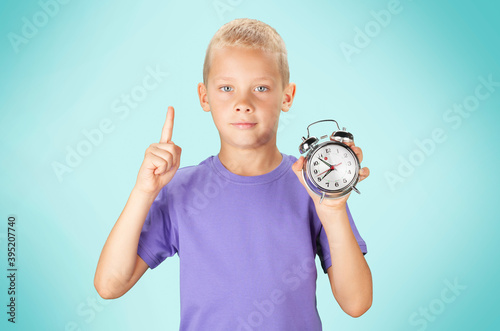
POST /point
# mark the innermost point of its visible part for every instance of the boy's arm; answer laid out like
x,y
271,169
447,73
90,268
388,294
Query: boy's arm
x,y
350,276
119,266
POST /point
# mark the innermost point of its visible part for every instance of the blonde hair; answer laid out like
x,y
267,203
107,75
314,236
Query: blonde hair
x,y
250,33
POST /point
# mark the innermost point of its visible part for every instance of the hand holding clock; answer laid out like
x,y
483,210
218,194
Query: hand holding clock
x,y
330,203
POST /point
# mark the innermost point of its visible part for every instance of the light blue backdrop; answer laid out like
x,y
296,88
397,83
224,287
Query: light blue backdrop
x,y
419,89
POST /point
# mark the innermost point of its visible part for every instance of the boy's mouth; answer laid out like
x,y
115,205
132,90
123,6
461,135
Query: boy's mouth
x,y
244,125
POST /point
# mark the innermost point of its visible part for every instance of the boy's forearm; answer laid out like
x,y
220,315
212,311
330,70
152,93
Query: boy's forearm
x,y
119,254
351,274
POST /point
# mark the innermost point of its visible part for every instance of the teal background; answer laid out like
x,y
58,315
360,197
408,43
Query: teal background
x,y
437,225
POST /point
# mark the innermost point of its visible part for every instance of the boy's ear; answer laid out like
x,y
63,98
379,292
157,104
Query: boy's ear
x,y
288,95
202,94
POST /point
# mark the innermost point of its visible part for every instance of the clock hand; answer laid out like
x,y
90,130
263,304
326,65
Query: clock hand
x,y
330,170
325,171
328,164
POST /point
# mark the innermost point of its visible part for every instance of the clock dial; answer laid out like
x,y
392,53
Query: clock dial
x,y
332,167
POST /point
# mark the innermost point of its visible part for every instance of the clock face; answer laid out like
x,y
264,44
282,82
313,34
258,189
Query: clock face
x,y
332,167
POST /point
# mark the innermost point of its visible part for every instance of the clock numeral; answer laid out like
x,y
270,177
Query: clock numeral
x,y
315,171
319,179
345,154
315,163
338,151
349,163
349,172
328,150
336,184
344,180
328,184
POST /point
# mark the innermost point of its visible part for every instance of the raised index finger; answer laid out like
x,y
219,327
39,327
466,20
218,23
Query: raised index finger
x,y
166,132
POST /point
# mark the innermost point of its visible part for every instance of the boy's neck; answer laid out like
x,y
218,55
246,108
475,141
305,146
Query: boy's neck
x,y
250,162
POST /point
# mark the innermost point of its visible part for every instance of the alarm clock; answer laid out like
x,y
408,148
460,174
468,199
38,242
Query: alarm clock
x,y
331,168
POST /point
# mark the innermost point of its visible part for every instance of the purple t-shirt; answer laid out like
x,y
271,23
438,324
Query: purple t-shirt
x,y
246,246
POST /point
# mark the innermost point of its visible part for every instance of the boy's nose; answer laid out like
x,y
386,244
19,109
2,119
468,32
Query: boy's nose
x,y
243,103
243,106
245,109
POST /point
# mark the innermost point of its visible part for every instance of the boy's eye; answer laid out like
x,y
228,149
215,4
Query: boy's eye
x,y
225,88
229,88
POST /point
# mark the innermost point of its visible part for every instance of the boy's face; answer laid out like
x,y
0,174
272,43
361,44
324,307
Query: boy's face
x,y
244,86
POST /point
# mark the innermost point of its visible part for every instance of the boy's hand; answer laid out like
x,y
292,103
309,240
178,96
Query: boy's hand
x,y
161,160
330,204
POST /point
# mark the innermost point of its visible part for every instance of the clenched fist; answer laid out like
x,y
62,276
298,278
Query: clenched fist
x,y
161,160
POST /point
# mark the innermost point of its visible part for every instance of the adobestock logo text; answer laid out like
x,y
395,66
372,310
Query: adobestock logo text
x,y
31,26
120,108
428,313
455,115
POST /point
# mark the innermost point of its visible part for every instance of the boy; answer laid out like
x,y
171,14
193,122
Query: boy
x,y
243,223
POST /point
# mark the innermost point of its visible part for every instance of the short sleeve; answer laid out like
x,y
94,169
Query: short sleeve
x,y
323,248
159,236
